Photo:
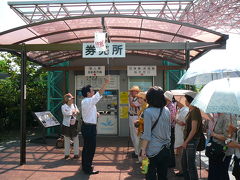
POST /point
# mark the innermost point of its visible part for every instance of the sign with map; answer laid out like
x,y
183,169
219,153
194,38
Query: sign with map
x,y
47,119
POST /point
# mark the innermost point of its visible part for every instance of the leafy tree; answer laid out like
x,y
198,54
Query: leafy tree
x,y
10,91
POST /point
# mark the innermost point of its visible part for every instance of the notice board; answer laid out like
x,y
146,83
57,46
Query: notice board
x,y
46,119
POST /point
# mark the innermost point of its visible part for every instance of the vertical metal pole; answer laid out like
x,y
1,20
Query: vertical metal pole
x,y
167,77
164,80
187,55
64,83
49,95
49,90
108,66
187,58
23,108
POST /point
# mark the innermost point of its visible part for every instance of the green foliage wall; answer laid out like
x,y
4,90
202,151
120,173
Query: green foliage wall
x,y
10,91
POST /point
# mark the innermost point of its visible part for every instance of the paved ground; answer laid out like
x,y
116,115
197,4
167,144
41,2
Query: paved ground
x,y
45,162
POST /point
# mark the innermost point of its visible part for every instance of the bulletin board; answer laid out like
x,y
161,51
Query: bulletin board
x,y
46,119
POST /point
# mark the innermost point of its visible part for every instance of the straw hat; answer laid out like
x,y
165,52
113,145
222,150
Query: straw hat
x,y
142,95
168,95
134,88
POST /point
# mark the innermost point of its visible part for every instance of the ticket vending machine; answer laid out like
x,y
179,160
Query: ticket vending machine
x,y
107,107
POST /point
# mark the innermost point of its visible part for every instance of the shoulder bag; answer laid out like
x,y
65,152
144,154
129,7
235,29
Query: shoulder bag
x,y
202,141
214,151
155,123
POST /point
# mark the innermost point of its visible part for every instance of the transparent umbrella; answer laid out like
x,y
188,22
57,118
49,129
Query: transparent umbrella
x,y
219,96
199,74
217,64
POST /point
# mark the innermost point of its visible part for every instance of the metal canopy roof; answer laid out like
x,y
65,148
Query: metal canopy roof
x,y
164,39
220,15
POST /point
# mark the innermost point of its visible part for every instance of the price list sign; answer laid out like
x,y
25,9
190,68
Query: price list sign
x,y
141,70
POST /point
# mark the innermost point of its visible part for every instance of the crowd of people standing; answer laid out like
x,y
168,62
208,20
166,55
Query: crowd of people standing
x,y
162,128
173,143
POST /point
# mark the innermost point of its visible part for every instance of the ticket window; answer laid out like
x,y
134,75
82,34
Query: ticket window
x,y
144,82
108,109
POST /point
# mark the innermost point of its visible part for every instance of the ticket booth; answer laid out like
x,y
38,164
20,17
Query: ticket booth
x,y
144,82
141,76
107,107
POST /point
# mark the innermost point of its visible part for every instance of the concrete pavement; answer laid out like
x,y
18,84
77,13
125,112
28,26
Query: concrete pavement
x,y
45,162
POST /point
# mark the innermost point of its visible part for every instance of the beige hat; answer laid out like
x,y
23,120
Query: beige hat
x,y
69,95
134,88
142,95
168,95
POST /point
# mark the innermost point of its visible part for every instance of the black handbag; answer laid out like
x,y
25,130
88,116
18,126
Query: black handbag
x,y
214,151
236,167
60,142
202,142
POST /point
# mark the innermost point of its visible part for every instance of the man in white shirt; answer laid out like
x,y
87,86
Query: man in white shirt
x,y
89,129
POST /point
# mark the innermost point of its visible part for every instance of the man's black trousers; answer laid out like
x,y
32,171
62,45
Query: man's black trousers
x,y
89,133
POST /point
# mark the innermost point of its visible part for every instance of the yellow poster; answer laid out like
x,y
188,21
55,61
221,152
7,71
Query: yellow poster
x,y
124,112
123,97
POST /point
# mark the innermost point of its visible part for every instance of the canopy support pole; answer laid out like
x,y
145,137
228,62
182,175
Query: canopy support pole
x,y
23,107
187,58
187,55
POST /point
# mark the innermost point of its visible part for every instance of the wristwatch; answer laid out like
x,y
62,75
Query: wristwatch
x,y
228,140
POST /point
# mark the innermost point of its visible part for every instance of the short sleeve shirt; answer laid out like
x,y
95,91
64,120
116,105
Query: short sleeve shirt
x,y
193,115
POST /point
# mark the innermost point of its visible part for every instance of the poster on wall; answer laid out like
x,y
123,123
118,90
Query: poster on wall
x,y
107,124
47,119
123,97
142,70
123,112
94,70
96,82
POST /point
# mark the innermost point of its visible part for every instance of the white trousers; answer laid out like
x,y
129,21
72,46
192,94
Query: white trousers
x,y
67,145
133,134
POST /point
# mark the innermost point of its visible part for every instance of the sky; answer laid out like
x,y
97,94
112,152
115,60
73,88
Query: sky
x,y
9,20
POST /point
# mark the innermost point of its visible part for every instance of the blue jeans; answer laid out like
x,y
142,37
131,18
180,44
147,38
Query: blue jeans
x,y
188,160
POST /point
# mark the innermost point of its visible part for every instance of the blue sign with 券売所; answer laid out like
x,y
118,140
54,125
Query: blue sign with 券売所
x,y
113,50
